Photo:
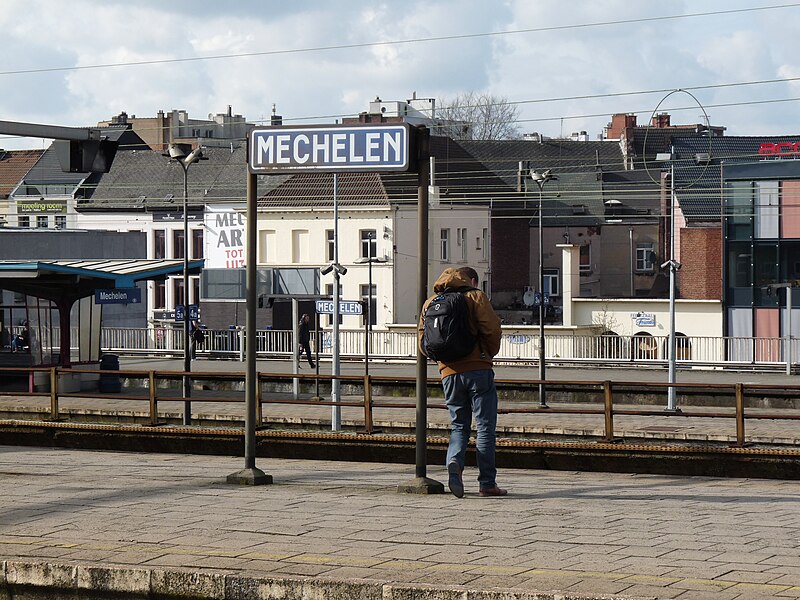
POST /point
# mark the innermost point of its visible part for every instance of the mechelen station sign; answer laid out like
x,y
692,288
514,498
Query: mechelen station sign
x,y
335,148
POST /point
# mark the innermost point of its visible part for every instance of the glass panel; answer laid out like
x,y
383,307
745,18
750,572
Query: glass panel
x,y
790,262
766,213
790,209
739,210
765,264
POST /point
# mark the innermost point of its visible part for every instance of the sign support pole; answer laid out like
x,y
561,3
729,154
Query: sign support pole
x,y
421,484
336,410
251,475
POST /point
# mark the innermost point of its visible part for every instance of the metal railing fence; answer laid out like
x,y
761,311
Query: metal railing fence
x,y
393,345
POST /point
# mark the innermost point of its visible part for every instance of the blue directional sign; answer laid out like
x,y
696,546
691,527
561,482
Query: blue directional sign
x,y
118,296
180,312
329,148
346,307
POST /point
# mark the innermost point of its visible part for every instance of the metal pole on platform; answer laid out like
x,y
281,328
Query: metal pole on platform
x,y
421,484
251,475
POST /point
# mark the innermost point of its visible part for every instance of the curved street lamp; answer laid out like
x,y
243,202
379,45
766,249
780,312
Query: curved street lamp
x,y
541,179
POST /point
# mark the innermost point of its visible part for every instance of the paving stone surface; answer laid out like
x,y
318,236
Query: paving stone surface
x,y
589,533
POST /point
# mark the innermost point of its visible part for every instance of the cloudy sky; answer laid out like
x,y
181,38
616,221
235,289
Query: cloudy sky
x,y
568,64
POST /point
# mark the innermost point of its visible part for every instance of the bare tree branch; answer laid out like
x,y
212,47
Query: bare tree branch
x,y
478,116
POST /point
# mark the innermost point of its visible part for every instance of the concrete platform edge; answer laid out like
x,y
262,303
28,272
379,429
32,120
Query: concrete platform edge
x,y
35,580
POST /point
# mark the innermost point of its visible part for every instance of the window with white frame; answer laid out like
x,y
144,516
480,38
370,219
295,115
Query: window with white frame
x,y
41,221
645,257
551,286
444,245
369,244
24,221
330,245
461,242
61,221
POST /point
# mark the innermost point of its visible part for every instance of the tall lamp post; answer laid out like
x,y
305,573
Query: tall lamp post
x,y
185,157
541,179
673,265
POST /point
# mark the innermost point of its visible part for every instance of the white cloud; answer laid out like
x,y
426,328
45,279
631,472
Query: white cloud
x,y
569,60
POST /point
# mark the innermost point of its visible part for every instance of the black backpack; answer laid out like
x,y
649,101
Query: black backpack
x,y
446,333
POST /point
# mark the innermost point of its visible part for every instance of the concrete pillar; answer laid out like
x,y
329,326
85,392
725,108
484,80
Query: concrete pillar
x,y
570,280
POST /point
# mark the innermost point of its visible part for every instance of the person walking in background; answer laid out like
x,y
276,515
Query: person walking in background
x,y
198,336
305,339
466,371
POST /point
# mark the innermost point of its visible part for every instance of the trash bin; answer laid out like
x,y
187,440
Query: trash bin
x,y
109,383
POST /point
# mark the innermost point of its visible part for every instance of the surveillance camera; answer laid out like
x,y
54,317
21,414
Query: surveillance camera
x,y
326,269
341,270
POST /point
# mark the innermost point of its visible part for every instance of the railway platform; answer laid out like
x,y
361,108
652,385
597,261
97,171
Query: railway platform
x,y
89,524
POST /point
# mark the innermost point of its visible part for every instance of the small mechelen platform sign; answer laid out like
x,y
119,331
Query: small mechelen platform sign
x,y
118,296
346,307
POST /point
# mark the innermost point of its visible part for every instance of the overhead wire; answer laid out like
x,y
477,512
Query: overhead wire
x,y
463,36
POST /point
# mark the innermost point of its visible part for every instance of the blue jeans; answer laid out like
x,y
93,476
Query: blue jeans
x,y
468,394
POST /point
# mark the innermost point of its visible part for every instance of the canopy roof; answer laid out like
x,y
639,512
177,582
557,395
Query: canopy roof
x,y
75,279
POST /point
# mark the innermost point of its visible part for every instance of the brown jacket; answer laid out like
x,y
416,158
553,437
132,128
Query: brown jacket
x,y
483,322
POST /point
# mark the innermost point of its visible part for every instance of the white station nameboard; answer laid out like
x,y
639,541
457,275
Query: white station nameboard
x,y
329,148
346,307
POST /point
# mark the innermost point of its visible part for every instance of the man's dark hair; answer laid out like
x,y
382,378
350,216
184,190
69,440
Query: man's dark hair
x,y
469,273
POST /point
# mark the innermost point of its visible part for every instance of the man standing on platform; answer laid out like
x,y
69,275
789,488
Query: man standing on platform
x,y
460,330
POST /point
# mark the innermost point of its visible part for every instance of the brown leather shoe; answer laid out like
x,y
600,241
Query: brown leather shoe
x,y
492,492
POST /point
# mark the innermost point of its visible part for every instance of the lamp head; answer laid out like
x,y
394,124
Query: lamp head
x,y
179,151
543,177
194,156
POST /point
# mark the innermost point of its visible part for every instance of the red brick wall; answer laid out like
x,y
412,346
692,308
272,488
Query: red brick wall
x,y
700,277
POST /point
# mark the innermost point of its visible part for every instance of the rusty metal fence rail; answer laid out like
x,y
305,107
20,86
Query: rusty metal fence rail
x,y
154,386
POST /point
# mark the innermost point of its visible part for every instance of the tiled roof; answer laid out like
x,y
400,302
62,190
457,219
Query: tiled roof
x,y
316,190
140,178
561,156
458,175
14,164
698,184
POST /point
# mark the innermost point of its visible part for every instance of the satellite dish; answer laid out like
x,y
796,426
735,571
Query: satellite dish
x,y
529,297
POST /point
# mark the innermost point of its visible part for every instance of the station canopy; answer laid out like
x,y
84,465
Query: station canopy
x,y
74,279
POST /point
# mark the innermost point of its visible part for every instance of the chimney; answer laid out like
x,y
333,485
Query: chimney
x,y
619,123
660,121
